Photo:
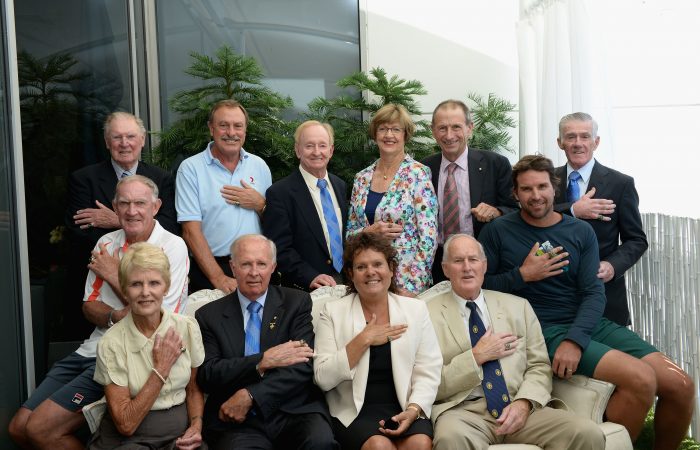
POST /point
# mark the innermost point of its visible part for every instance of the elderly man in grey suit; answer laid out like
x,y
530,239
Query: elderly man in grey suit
x,y
490,341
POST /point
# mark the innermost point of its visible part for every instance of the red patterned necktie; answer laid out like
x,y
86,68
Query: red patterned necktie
x,y
450,207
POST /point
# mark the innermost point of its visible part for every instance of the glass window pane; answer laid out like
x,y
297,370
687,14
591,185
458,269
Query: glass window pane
x,y
303,46
74,69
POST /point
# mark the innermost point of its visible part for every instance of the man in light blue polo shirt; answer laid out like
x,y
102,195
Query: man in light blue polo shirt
x,y
219,197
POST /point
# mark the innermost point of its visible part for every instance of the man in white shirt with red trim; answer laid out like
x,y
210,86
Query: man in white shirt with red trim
x,y
53,413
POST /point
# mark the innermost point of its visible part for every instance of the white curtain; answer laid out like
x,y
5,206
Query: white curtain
x,y
561,71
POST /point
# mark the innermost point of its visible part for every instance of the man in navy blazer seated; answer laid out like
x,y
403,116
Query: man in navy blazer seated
x,y
482,178
257,368
89,214
606,199
306,213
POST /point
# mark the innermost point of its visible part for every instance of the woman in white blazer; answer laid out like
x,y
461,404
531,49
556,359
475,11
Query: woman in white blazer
x,y
377,356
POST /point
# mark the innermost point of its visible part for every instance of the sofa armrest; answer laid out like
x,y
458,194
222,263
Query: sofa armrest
x,y
585,396
93,413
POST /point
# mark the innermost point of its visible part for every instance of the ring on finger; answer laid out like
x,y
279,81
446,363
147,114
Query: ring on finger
x,y
388,338
92,259
182,349
567,370
600,217
302,342
507,345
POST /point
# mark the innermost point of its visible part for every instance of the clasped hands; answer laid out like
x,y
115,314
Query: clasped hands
x,y
236,408
404,419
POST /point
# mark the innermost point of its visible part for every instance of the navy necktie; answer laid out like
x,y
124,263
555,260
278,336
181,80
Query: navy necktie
x,y
572,192
252,330
494,385
331,225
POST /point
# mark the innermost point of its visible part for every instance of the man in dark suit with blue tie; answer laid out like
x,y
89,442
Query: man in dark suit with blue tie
x,y
606,199
306,213
257,367
89,215
482,178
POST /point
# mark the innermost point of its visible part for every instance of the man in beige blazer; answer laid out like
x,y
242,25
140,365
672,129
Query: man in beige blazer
x,y
513,337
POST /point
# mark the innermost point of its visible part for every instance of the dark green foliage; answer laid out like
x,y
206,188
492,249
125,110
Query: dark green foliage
x,y
239,77
48,102
350,116
491,122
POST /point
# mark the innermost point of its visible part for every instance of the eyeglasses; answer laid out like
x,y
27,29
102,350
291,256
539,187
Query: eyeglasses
x,y
385,130
121,137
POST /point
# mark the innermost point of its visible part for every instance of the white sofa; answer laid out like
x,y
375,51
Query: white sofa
x,y
585,396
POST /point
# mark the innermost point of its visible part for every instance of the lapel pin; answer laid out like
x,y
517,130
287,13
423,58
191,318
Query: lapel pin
x,y
273,323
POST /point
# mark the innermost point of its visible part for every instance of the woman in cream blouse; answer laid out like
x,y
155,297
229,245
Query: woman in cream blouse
x,y
148,363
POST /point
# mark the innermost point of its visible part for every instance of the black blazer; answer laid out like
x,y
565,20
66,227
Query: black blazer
x,y
288,390
292,222
621,241
489,181
98,182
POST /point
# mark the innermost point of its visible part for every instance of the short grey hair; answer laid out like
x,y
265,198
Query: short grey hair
x,y
122,115
237,243
448,242
137,179
579,117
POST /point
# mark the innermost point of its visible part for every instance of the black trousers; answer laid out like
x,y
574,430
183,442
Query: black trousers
x,y
310,431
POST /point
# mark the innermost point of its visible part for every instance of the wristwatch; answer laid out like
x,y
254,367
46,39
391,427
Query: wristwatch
x,y
110,322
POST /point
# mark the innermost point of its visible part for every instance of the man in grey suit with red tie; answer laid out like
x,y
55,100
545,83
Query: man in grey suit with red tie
x,y
306,213
606,199
477,181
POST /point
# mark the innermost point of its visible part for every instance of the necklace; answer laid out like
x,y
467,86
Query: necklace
x,y
391,170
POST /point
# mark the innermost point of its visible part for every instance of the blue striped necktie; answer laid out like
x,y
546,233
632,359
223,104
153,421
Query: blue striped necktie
x,y
331,225
572,192
252,330
494,385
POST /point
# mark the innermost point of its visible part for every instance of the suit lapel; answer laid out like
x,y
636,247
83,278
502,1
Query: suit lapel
x,y
497,315
273,315
455,322
339,191
476,176
107,181
560,172
598,179
232,324
307,209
